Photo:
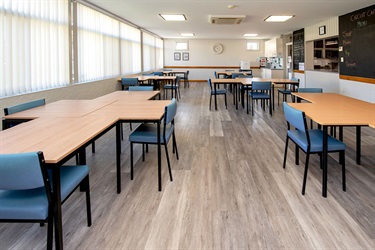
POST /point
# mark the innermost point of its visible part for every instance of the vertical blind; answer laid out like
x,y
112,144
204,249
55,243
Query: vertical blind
x,y
35,41
148,52
130,49
98,45
34,45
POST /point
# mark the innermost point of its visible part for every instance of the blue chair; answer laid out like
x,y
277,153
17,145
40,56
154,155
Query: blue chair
x,y
158,73
127,82
147,133
185,78
243,88
141,88
310,141
26,193
260,91
287,91
175,87
218,92
18,108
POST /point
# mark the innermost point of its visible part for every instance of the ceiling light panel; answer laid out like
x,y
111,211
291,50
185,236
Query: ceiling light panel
x,y
187,34
174,17
249,35
277,18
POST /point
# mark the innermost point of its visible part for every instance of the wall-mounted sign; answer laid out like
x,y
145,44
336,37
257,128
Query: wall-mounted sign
x,y
177,56
322,30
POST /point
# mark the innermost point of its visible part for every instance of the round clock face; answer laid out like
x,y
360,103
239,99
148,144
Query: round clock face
x,y
218,48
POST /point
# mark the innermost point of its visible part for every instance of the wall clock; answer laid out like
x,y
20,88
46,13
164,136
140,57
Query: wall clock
x,y
217,48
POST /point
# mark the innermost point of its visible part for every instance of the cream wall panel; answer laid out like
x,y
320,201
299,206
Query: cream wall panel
x,y
332,29
88,90
202,54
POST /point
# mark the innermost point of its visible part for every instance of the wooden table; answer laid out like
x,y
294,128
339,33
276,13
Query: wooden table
x,y
60,138
330,109
177,72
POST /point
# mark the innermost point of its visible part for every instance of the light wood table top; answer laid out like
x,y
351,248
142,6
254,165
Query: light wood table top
x,y
143,78
57,137
336,109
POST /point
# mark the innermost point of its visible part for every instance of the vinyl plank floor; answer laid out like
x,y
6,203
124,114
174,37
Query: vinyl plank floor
x,y
229,190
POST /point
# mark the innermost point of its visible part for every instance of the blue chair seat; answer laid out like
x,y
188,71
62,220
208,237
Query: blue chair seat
x,y
316,141
147,133
259,95
219,92
31,204
70,178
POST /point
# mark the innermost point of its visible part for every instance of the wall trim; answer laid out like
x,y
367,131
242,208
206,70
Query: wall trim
x,y
358,79
208,67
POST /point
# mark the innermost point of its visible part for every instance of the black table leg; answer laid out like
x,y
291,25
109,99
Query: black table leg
x,y
325,159
358,139
118,156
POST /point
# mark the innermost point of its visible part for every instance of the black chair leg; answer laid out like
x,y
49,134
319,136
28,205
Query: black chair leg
x,y
169,164
286,150
93,147
342,156
226,106
175,145
143,152
88,200
131,161
50,230
305,174
210,101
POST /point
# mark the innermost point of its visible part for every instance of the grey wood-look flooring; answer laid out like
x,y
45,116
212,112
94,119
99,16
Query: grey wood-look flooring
x,y
229,190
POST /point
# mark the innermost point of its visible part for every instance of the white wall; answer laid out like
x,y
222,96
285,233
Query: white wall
x,y
89,90
202,56
328,81
358,90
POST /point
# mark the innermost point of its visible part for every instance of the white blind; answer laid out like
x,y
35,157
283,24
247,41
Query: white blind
x,y
159,53
130,49
148,52
34,45
98,45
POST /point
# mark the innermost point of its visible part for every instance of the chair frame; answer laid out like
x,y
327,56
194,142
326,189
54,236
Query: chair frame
x,y
212,92
307,152
165,143
175,86
261,86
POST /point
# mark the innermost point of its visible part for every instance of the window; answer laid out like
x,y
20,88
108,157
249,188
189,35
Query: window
x,y
159,53
148,52
98,45
182,46
252,45
130,49
34,46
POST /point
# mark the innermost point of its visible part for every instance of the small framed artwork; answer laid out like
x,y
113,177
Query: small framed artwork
x,y
322,30
185,56
177,56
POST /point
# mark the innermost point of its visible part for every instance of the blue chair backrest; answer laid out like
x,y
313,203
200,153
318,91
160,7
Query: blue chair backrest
x,y
310,90
235,75
170,111
141,88
178,79
209,83
295,117
158,73
261,85
148,74
20,171
129,81
24,106
245,76
215,74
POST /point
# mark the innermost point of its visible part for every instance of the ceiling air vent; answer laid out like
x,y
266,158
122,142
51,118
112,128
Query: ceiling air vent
x,y
232,19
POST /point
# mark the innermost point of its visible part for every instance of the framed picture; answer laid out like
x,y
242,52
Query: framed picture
x,y
322,30
177,56
185,56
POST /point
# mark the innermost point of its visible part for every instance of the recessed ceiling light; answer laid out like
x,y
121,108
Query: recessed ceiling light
x,y
187,34
249,34
277,18
176,17
231,6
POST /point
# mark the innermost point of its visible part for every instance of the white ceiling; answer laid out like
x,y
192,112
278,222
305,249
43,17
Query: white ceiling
x,y
145,14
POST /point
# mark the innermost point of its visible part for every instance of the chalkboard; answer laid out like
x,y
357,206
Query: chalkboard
x,y
357,43
298,47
